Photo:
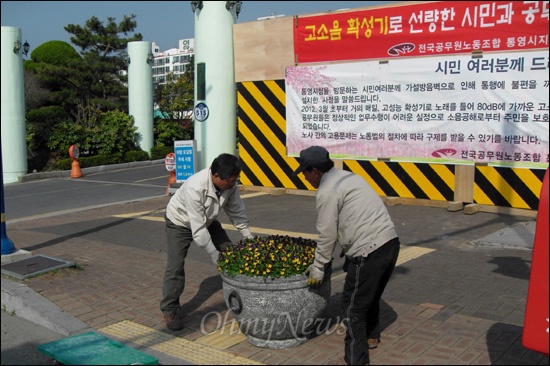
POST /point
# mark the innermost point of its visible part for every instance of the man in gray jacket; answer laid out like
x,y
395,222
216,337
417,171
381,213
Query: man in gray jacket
x,y
351,214
191,216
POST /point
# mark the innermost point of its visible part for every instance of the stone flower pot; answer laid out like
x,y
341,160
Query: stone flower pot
x,y
276,312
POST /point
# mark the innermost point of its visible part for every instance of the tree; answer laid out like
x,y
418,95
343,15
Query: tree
x,y
71,91
102,47
175,99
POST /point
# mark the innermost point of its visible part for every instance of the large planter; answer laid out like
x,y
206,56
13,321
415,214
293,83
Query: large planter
x,y
276,313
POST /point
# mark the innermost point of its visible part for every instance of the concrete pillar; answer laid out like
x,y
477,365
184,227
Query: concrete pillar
x,y
214,47
14,145
140,92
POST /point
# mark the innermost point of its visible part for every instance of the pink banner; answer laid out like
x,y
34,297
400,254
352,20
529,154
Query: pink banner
x,y
434,28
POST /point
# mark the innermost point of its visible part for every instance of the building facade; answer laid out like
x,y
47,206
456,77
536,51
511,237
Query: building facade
x,y
173,60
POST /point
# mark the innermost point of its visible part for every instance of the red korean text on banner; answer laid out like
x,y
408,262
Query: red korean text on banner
x,y
434,28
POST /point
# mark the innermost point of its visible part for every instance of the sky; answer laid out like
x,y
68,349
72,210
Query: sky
x,y
162,22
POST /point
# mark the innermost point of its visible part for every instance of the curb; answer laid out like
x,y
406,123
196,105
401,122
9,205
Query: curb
x,y
90,170
29,305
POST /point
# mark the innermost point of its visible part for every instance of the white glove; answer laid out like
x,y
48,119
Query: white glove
x,y
214,256
250,237
214,253
316,275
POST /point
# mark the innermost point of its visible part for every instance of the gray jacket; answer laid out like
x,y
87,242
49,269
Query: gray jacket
x,y
351,214
195,206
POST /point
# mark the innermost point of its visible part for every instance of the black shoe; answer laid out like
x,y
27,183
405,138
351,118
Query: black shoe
x,y
173,321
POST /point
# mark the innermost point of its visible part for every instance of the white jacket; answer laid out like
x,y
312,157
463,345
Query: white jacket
x,y
351,214
195,206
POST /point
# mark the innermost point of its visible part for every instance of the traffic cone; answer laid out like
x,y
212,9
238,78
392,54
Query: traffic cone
x,y
171,179
75,169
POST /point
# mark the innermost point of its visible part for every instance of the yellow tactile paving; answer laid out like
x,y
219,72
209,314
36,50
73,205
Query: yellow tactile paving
x,y
194,352
408,253
225,337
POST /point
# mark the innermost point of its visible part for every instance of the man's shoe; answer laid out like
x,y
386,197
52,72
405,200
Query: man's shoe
x,y
173,321
373,343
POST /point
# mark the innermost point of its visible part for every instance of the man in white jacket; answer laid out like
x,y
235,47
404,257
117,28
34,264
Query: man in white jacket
x,y
351,214
191,216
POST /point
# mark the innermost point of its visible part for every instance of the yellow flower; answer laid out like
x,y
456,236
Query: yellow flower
x,y
272,256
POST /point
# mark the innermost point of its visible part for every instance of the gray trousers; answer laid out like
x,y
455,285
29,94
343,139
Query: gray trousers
x,y
178,241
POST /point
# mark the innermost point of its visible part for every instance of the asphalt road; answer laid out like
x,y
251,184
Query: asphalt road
x,y
58,195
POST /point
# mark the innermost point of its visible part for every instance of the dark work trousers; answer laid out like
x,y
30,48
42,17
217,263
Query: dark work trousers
x,y
366,280
178,240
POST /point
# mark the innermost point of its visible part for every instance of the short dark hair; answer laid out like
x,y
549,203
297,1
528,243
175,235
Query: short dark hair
x,y
323,167
226,166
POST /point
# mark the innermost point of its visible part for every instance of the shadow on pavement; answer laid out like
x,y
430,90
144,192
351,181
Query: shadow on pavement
x,y
504,343
331,319
512,267
207,288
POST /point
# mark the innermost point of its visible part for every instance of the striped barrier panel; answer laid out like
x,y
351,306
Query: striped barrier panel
x,y
262,149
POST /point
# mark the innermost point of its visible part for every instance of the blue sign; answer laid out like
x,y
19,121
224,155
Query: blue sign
x,y
185,152
201,112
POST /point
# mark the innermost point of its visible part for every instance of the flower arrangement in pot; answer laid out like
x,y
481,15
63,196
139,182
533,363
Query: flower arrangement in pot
x,y
271,256
266,289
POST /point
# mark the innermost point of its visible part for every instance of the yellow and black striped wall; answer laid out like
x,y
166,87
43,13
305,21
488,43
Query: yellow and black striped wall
x,y
262,149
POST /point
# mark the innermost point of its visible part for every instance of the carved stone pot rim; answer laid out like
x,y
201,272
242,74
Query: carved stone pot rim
x,y
260,283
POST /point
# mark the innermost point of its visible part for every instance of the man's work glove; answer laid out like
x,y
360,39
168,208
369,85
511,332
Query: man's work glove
x,y
214,253
214,256
315,274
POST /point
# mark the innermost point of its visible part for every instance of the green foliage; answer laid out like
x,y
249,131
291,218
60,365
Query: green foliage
x,y
168,131
160,152
54,53
115,134
271,256
176,97
95,37
39,126
67,133
136,155
112,136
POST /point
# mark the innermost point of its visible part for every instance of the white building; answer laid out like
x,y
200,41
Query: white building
x,y
173,60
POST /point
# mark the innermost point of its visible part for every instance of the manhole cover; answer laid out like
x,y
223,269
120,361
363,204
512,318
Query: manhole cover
x,y
33,266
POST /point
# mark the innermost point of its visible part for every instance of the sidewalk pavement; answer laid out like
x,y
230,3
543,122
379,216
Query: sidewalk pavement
x,y
457,296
